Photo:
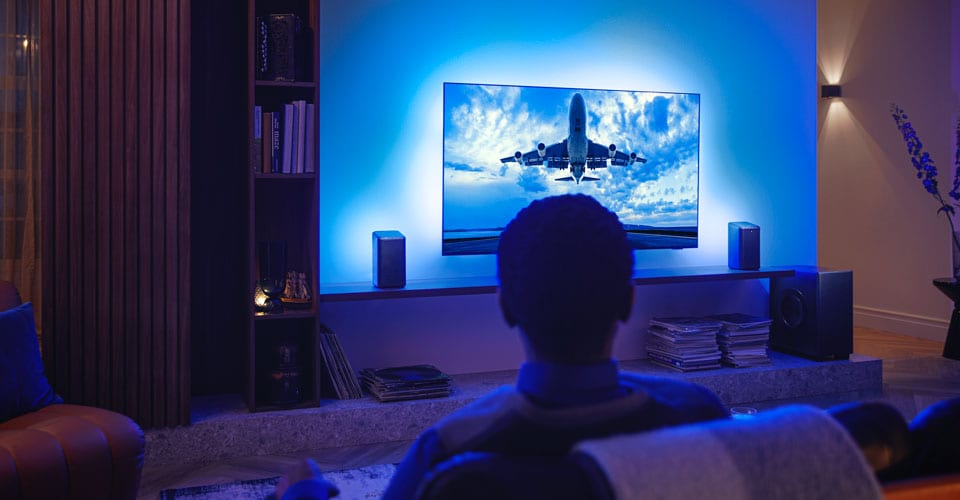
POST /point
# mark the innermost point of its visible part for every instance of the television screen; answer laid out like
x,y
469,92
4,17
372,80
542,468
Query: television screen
x,y
637,153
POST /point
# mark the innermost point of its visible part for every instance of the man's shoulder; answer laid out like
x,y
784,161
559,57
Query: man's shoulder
x,y
674,392
476,416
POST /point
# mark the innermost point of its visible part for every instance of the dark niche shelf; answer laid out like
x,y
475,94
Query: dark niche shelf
x,y
340,292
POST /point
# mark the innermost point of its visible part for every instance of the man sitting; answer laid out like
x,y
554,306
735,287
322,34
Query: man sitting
x,y
566,281
565,270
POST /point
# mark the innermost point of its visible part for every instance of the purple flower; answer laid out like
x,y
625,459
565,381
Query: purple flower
x,y
923,163
927,173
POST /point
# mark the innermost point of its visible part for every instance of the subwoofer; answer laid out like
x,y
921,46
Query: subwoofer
x,y
812,313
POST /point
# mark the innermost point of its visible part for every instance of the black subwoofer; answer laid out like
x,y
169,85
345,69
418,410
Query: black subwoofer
x,y
812,313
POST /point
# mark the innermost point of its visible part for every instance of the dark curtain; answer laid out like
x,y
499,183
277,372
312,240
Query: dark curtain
x,y
19,148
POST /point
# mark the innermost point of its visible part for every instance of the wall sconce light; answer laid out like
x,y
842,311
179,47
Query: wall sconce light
x,y
829,91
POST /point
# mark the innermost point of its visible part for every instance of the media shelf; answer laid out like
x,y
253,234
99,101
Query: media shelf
x,y
271,83
284,315
285,177
341,292
282,349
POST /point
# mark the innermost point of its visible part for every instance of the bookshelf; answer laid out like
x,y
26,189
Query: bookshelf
x,y
282,348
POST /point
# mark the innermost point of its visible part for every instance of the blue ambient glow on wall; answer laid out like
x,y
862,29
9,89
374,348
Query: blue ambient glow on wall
x,y
383,64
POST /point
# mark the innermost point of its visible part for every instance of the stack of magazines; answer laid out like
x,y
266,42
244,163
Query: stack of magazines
x,y
406,382
743,339
685,344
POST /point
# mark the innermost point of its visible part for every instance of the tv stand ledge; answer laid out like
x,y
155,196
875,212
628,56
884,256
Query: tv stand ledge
x,y
339,292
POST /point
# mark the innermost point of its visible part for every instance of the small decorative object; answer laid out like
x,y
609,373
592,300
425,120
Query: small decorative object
x,y
273,262
259,299
927,172
285,376
260,49
283,32
296,293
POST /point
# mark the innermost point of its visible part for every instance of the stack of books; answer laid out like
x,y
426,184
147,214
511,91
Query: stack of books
x,y
337,366
685,344
406,382
743,339
284,139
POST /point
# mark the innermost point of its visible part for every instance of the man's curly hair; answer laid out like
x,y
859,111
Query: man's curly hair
x,y
565,270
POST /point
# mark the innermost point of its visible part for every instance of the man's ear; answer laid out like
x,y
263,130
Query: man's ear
x,y
628,303
505,310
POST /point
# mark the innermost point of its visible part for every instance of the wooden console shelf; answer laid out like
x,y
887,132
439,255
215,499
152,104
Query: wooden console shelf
x,y
488,284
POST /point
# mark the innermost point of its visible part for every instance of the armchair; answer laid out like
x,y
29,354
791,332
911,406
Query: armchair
x,y
65,450
792,452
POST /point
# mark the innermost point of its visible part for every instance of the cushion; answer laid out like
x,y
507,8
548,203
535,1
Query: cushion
x,y
23,386
792,452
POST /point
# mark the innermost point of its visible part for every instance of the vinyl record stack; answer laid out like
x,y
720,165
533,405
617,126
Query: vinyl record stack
x,y
337,366
685,344
743,339
406,382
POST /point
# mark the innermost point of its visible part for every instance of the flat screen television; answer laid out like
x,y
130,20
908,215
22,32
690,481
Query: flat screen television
x,y
637,153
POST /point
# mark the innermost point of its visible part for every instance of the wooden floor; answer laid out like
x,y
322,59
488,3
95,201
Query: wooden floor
x,y
915,375
891,346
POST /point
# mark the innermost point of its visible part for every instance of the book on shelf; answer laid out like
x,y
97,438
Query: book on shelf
x,y
286,156
288,138
310,148
256,143
294,137
300,116
283,33
260,48
266,163
275,153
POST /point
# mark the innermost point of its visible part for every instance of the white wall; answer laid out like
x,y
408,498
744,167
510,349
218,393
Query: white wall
x,y
874,215
383,64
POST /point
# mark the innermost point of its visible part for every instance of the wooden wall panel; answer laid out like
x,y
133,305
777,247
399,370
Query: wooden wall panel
x,y
116,204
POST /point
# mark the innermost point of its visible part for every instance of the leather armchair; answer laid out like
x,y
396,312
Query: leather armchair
x,y
68,451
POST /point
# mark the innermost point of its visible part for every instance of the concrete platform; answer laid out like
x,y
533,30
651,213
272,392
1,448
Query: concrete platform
x,y
222,428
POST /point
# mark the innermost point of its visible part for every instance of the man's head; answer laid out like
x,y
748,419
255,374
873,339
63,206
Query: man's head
x,y
565,270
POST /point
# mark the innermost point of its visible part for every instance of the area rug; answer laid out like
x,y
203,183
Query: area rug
x,y
355,484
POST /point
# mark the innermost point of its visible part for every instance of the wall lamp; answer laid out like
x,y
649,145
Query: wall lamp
x,y
829,91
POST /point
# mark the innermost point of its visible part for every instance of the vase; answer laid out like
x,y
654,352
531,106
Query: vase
x,y
955,245
951,288
273,270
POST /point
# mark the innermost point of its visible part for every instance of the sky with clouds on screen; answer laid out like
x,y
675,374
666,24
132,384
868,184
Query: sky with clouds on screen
x,y
483,123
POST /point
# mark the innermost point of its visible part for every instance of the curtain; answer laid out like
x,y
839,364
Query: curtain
x,y
19,148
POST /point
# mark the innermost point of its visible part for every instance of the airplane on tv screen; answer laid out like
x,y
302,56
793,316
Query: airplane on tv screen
x,y
576,151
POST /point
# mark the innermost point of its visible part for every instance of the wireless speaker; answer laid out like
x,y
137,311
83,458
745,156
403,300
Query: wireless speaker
x,y
389,259
743,245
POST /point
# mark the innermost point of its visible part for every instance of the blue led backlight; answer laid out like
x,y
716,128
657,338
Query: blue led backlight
x,y
382,71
